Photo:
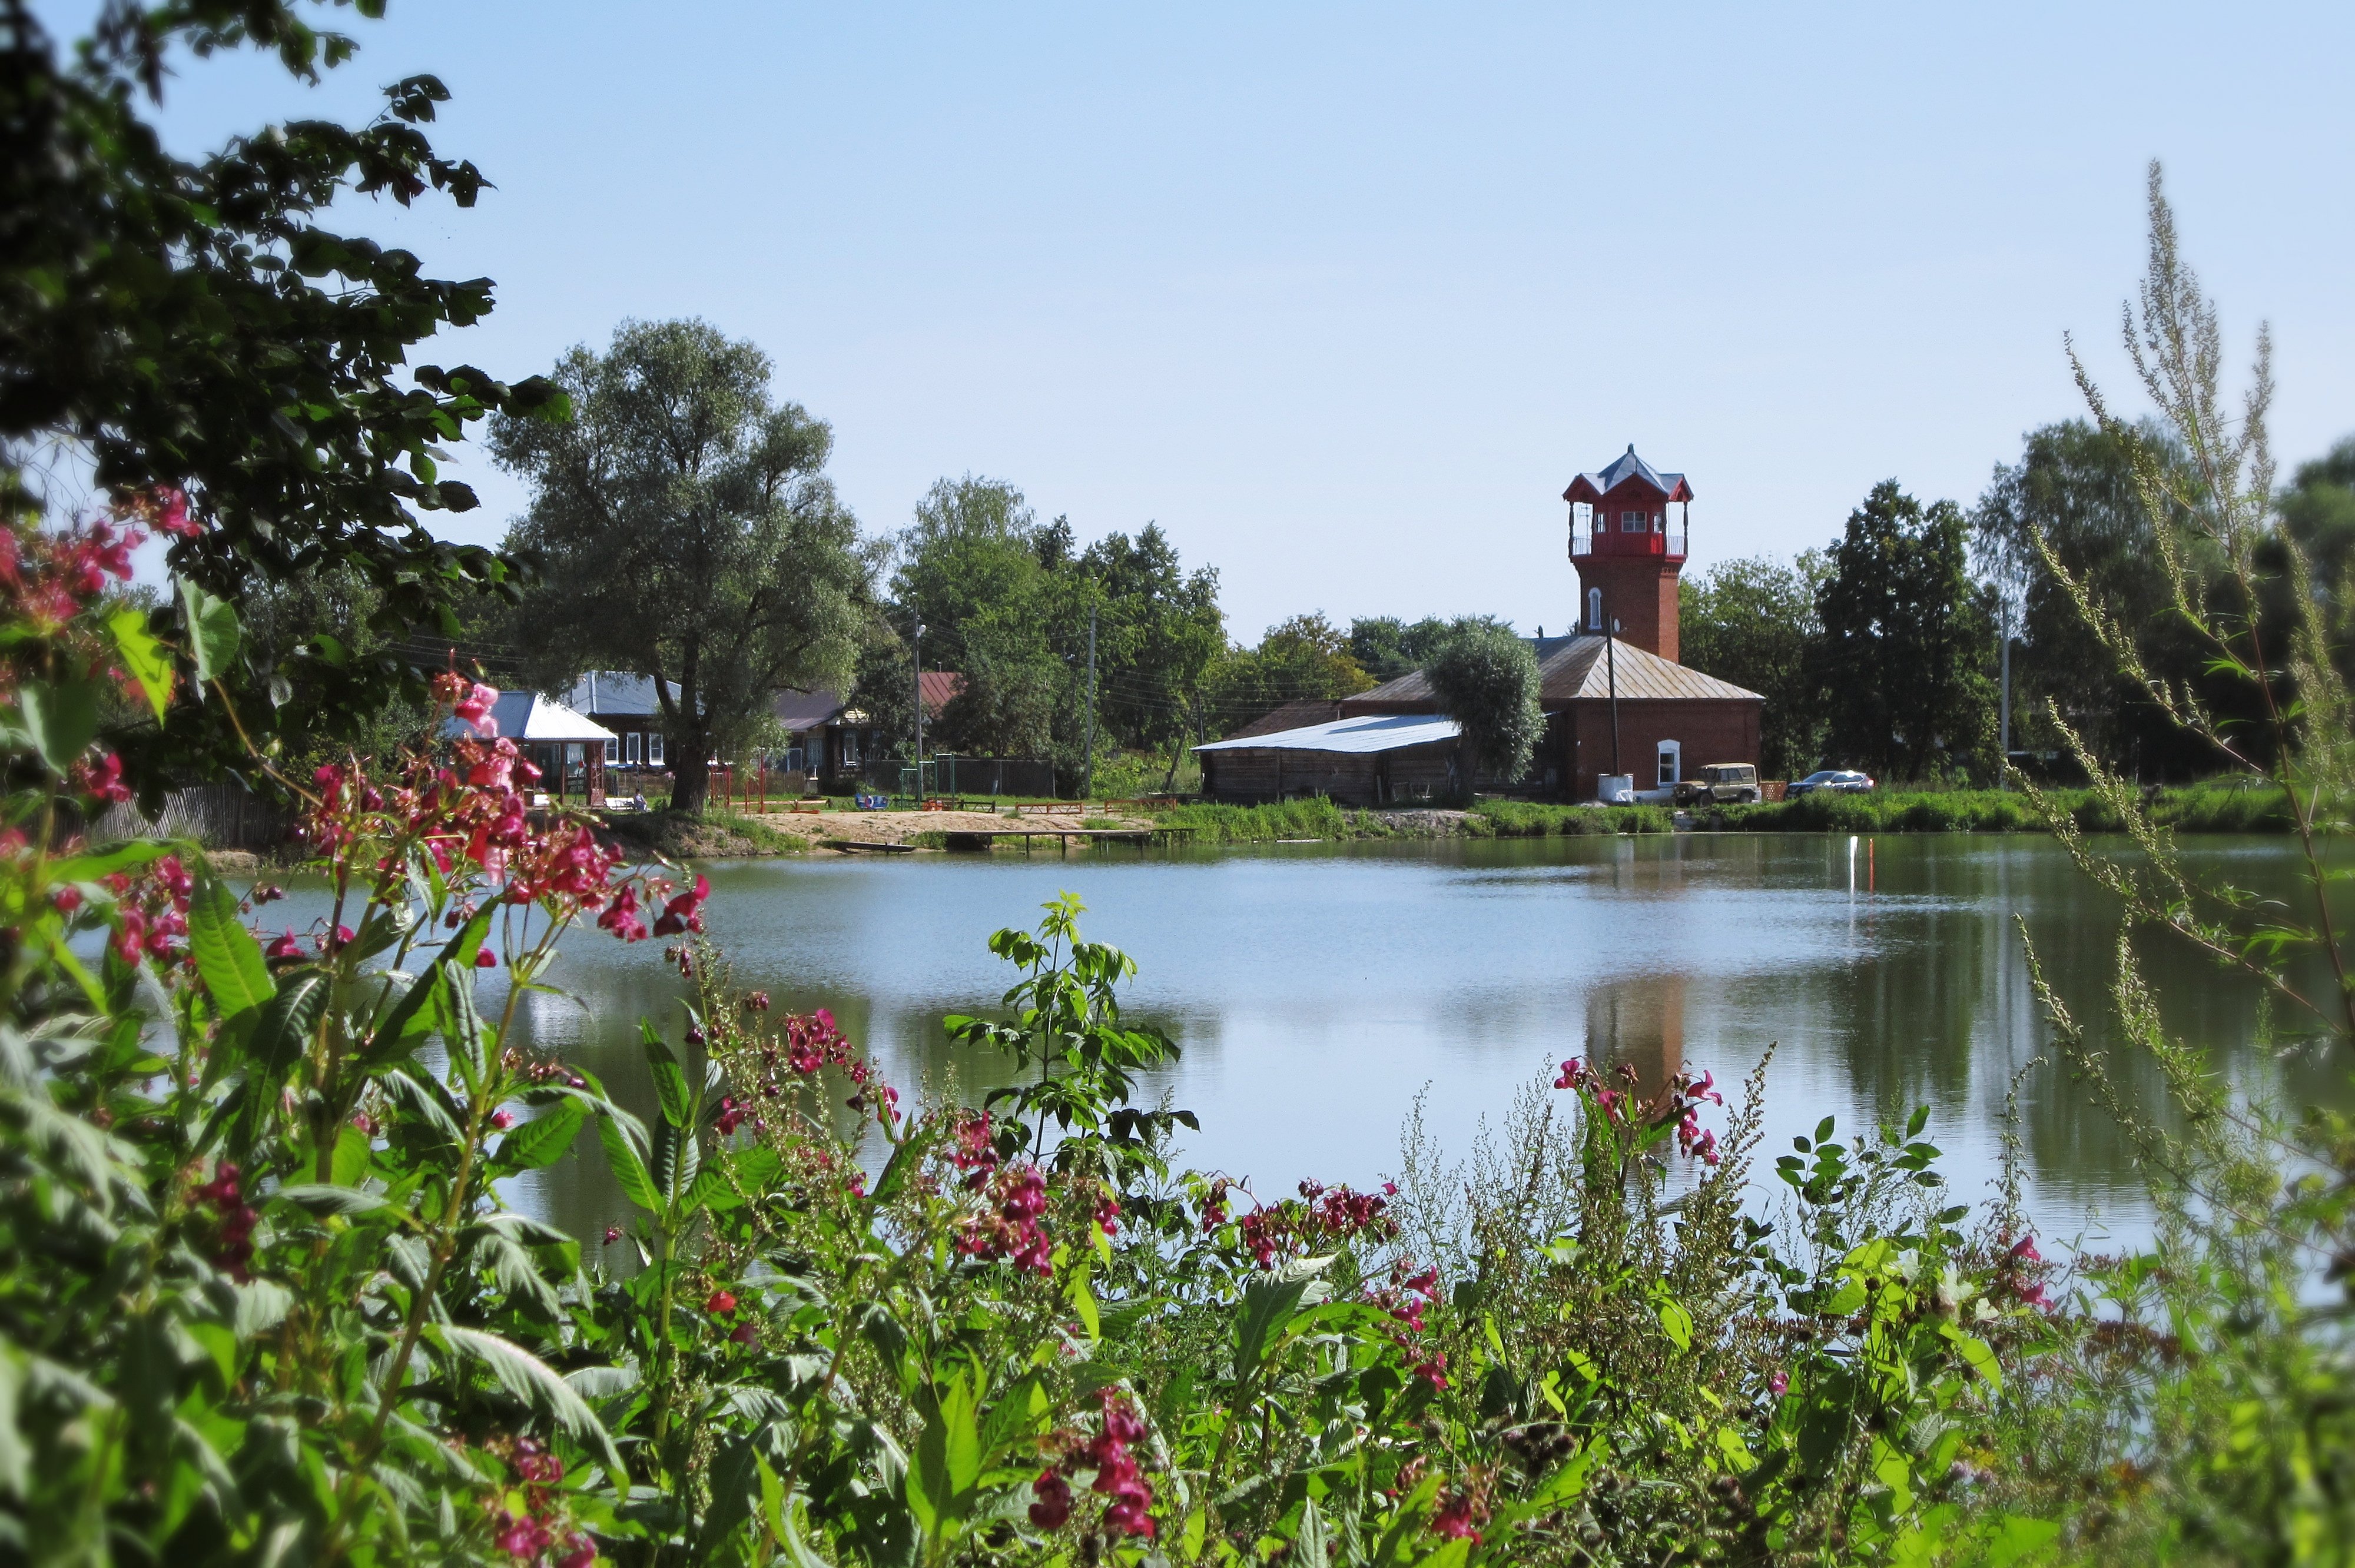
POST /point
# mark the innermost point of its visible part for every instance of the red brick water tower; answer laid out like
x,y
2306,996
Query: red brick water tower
x,y
1628,541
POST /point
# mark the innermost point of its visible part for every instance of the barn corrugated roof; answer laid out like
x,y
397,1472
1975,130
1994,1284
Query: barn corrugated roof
x,y
1357,737
1570,669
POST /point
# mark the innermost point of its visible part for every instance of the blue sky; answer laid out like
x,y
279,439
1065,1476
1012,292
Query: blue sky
x,y
1343,296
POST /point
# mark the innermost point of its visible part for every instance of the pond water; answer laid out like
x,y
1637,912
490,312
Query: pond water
x,y
1318,990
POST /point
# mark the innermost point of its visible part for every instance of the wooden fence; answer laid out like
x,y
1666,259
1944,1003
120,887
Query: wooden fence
x,y
218,816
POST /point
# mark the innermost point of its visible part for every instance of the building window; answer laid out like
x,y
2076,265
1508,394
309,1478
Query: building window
x,y
1655,522
850,748
1631,522
1671,756
630,747
1594,609
653,747
612,750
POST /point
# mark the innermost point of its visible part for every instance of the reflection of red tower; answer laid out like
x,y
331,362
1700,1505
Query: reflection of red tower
x,y
1627,540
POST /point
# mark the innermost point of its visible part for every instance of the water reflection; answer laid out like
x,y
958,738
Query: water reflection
x,y
1318,990
1639,1022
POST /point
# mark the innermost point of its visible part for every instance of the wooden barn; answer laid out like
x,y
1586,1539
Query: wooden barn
x,y
1376,760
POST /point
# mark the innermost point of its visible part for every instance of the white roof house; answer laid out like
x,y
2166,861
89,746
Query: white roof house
x,y
528,715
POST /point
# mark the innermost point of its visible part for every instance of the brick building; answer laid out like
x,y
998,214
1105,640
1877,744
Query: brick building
x,y
1615,704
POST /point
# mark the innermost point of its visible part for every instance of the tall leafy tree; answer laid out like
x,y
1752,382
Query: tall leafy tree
x,y
1486,679
1386,647
1752,622
683,529
1902,658
1159,635
1305,656
198,324
2072,497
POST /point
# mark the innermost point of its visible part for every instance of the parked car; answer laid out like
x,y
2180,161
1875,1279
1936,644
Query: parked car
x,y
1720,783
1833,781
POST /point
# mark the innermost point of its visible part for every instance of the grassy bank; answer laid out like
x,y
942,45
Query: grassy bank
x,y
2211,809
2200,809
710,834
1537,819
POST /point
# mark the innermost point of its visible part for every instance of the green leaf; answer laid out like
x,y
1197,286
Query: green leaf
x,y
531,1379
409,1021
1976,1351
61,718
2017,1537
670,1083
351,1156
284,1027
1675,1322
1268,1304
319,1199
147,660
544,1139
629,1166
228,958
213,630
1083,1302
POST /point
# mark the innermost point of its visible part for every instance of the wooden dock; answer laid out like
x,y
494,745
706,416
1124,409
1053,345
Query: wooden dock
x,y
1141,837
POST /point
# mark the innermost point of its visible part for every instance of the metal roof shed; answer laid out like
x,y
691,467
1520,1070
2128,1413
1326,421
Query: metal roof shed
x,y
1372,759
568,751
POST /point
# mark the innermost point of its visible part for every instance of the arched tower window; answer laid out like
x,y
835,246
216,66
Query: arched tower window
x,y
1594,609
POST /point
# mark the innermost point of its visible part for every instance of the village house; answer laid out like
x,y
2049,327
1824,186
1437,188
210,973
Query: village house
x,y
626,705
1617,703
827,740
568,751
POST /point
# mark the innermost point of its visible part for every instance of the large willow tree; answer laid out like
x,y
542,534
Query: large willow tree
x,y
683,529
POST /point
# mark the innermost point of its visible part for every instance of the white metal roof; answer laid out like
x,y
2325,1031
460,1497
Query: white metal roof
x,y
528,715
1367,733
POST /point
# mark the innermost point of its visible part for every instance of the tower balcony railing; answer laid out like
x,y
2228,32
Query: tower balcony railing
x,y
1583,543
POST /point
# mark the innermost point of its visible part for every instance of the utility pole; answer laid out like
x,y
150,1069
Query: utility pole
x,y
1611,664
2003,766
1088,772
917,645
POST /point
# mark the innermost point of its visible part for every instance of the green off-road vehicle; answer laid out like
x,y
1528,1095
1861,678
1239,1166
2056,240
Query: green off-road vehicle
x,y
1721,783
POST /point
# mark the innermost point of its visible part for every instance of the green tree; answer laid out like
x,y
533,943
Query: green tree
x,y
1159,635
1486,679
2318,515
1752,622
1305,656
2073,493
1387,648
193,325
1906,641
684,530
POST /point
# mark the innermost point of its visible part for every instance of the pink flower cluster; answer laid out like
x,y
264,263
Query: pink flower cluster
x,y
225,1196
2020,1273
150,910
1463,1510
1117,1476
1406,1298
472,816
1676,1106
1319,1216
49,578
1007,1227
528,1536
